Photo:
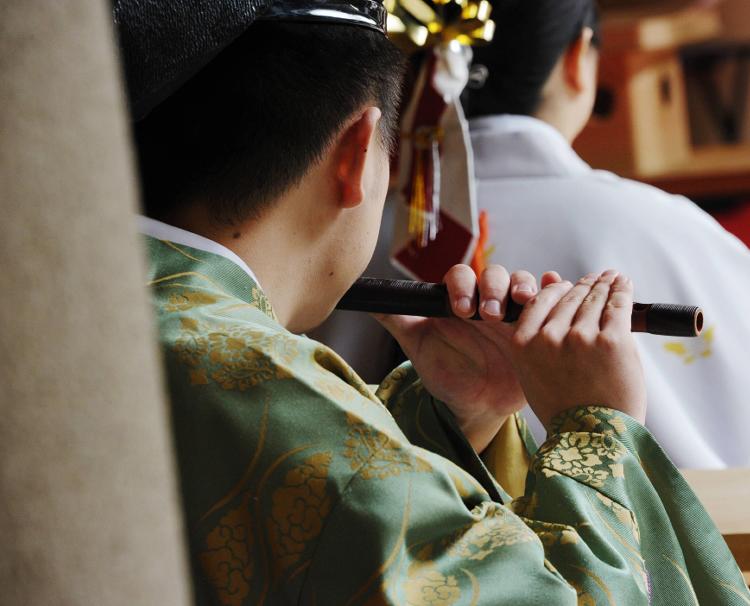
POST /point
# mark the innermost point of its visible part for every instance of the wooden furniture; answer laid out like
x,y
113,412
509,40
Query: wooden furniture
x,y
646,131
715,171
726,496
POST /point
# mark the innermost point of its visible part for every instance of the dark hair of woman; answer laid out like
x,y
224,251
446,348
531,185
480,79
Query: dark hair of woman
x,y
509,74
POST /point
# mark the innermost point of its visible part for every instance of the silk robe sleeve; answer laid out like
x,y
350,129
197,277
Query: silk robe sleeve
x,y
606,519
300,486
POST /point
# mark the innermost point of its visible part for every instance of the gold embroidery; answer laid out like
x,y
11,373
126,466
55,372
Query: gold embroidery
x,y
188,299
299,510
235,357
243,362
173,246
329,360
336,390
551,534
259,300
633,556
598,582
240,486
525,506
198,377
589,458
376,455
742,594
685,577
427,586
474,587
625,516
191,346
227,559
699,348
589,419
392,557
497,528
584,597
392,383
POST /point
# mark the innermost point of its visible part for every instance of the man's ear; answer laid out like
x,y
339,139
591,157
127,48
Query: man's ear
x,y
574,65
353,149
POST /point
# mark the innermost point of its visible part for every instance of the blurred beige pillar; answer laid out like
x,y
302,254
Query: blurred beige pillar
x,y
88,506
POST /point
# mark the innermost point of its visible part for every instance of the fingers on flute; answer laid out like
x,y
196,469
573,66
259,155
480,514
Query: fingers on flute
x,y
617,316
536,311
493,290
561,318
462,285
522,286
588,319
550,277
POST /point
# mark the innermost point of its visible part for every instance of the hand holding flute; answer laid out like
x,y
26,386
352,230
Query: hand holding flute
x,y
409,298
572,346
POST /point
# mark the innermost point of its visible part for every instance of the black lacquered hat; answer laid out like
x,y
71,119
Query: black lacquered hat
x,y
164,43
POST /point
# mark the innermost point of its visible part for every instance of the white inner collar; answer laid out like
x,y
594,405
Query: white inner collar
x,y
164,231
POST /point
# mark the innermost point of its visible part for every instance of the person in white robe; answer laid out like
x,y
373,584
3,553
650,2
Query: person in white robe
x,y
532,92
546,207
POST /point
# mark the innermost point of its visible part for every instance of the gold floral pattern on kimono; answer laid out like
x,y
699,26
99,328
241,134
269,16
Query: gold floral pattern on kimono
x,y
188,299
586,457
624,515
299,510
192,345
425,585
390,391
497,528
336,390
552,535
525,506
589,419
261,302
227,559
376,455
235,357
331,362
393,382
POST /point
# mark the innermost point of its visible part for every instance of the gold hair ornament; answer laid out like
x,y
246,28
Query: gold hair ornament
x,y
415,24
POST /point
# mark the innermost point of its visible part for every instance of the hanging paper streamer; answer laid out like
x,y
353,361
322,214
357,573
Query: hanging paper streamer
x,y
436,223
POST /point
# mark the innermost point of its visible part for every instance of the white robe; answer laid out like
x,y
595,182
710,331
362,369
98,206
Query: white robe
x,y
548,210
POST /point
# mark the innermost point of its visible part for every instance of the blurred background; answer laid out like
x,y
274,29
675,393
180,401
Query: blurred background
x,y
674,102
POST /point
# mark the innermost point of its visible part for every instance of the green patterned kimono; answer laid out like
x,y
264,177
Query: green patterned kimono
x,y
303,486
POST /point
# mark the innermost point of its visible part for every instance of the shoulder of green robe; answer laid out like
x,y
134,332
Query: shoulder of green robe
x,y
271,428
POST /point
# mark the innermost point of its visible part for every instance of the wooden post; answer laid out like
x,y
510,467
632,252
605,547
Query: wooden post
x,y
89,508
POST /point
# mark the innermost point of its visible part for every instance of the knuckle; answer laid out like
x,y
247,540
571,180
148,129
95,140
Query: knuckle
x,y
579,337
607,341
520,341
593,298
571,298
550,337
617,301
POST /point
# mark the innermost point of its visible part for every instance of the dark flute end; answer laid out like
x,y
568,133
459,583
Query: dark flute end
x,y
411,298
667,320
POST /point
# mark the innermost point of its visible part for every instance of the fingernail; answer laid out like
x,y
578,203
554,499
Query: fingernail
x,y
610,272
463,305
525,288
491,307
589,277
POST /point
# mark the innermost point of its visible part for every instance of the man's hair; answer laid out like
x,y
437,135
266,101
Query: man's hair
x,y
531,37
249,126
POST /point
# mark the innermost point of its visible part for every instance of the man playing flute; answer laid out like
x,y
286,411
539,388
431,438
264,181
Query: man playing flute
x,y
263,131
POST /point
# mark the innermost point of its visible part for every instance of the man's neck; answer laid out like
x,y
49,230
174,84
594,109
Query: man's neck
x,y
280,249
